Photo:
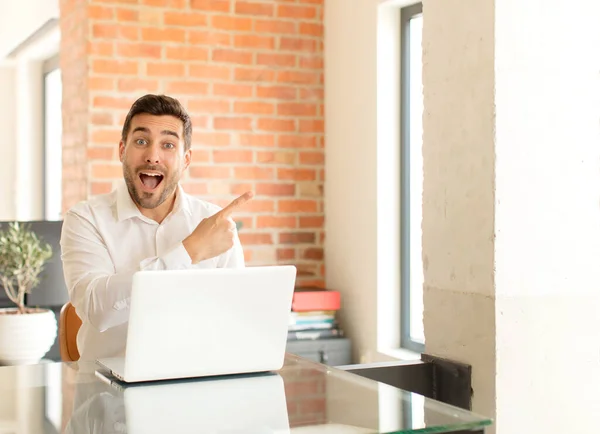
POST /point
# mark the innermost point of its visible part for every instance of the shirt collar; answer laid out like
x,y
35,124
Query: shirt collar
x,y
127,209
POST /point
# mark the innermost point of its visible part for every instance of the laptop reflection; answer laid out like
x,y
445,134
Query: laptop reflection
x,y
250,404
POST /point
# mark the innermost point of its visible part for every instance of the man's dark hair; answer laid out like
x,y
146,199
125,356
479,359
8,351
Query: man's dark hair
x,y
159,105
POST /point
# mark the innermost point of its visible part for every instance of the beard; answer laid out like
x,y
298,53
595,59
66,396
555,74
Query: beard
x,y
146,199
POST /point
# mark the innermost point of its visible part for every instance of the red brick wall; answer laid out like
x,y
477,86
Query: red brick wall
x,y
251,75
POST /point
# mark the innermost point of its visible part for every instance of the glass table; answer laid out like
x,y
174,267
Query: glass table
x,y
302,398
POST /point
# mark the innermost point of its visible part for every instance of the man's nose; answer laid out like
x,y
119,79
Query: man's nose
x,y
152,155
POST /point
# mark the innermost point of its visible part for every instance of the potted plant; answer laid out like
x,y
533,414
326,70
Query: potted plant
x,y
26,333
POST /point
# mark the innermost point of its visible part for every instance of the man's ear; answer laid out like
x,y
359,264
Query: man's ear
x,y
121,150
187,159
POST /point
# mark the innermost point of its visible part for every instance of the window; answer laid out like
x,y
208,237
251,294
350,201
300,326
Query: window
x,y
52,140
411,166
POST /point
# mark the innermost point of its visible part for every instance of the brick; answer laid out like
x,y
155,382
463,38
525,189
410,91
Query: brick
x,y
297,206
311,29
102,153
254,74
259,140
266,189
232,123
101,48
296,237
112,102
137,85
115,67
212,139
254,8
297,109
154,34
101,119
311,62
105,31
239,189
277,92
313,253
253,172
312,126
254,41
126,14
97,188
315,94
284,255
211,5
98,12
106,136
130,50
226,22
248,238
273,124
210,71
107,171
187,87
299,12
296,141
295,174
164,69
151,17
131,33
195,188
258,205
209,106
298,77
233,156
298,44
310,188
276,157
199,121
175,4
311,221
101,83
209,172
243,107
312,157
185,19
232,56
275,26
233,90
187,53
270,59
264,222
204,37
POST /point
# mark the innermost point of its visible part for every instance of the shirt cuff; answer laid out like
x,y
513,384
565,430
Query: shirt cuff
x,y
177,258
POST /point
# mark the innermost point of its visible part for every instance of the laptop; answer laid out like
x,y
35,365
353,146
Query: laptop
x,y
253,403
205,322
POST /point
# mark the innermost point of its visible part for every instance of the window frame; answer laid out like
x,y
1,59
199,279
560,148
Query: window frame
x,y
406,341
49,65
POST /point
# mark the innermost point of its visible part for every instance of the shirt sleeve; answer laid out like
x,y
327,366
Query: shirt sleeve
x,y
99,294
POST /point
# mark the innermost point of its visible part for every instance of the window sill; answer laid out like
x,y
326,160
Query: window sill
x,y
401,354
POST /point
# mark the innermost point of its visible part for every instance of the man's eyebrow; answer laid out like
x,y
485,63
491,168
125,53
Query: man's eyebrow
x,y
163,132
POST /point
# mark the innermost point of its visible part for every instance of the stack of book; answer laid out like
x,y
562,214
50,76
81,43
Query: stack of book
x,y
313,315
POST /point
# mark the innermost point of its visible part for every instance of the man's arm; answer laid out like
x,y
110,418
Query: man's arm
x,y
100,294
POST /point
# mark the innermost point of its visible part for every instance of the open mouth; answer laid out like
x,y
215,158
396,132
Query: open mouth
x,y
150,180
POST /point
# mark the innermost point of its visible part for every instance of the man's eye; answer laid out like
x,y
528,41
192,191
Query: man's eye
x,y
140,142
169,145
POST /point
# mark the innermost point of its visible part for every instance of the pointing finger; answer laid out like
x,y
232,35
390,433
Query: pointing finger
x,y
236,204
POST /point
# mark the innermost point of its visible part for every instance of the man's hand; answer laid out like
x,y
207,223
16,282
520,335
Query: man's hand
x,y
214,235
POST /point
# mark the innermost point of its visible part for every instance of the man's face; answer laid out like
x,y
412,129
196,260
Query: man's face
x,y
153,158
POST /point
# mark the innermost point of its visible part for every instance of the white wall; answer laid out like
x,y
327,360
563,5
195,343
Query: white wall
x,y
19,19
8,143
21,108
362,187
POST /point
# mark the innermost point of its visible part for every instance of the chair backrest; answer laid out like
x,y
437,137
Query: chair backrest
x,y
68,326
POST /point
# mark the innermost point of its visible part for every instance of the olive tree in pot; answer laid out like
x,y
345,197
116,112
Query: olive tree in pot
x,y
26,333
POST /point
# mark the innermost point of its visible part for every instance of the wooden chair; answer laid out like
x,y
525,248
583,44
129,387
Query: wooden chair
x,y
68,326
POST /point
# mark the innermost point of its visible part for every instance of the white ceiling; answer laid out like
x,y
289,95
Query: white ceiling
x,y
19,19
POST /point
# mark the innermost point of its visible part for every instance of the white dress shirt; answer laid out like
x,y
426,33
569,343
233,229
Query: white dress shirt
x,y
105,241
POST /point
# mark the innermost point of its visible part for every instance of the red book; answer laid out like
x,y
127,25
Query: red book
x,y
316,300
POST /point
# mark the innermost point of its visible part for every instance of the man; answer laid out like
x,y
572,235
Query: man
x,y
147,223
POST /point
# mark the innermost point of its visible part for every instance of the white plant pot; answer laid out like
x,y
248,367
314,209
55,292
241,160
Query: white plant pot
x,y
26,338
